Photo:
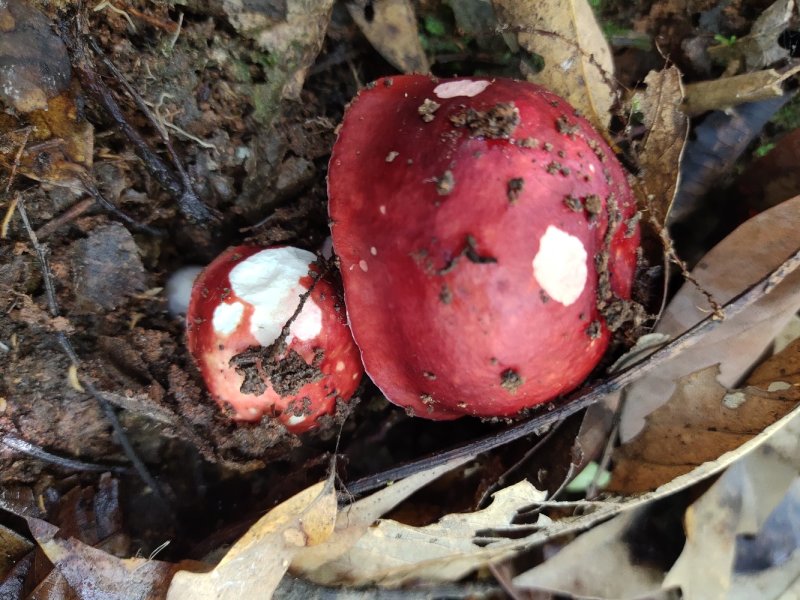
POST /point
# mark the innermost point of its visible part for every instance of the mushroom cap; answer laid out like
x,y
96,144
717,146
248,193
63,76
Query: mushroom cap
x,y
485,232
242,300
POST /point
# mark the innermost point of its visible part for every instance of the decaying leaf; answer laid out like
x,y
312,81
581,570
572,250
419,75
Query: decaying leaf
x,y
391,553
256,563
740,502
702,421
292,32
723,93
760,47
96,575
599,564
392,31
746,255
12,548
577,60
661,152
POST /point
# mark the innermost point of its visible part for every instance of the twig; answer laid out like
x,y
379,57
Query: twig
x,y
66,345
72,213
21,445
98,197
188,201
584,397
17,158
142,106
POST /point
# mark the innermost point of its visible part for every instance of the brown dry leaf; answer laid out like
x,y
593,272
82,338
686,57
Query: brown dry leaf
x,y
577,59
703,420
391,553
749,253
392,31
254,566
667,128
760,47
12,548
95,575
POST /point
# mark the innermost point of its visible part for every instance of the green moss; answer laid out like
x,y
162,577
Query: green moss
x,y
788,117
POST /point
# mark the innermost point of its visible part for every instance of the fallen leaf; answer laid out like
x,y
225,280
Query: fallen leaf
x,y
96,575
726,92
355,519
751,251
760,47
391,553
12,548
393,32
577,60
704,420
739,503
257,562
716,145
598,563
662,149
292,32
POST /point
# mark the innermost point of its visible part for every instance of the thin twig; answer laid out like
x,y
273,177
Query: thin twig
x,y
72,213
21,445
584,397
142,106
18,157
188,201
98,197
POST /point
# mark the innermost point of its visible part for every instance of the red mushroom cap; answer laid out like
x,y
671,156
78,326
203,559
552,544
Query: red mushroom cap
x,y
243,299
485,232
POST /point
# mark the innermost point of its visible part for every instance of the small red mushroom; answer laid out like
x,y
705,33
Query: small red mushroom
x,y
242,300
488,240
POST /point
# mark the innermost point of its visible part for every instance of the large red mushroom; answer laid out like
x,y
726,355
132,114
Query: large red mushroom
x,y
488,241
242,301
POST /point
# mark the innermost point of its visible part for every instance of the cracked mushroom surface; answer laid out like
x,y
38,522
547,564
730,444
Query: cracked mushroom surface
x,y
239,306
487,262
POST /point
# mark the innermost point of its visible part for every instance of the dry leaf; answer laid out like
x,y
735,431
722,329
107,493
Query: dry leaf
x,y
577,60
598,563
667,128
96,575
760,47
739,503
391,553
726,92
12,548
392,31
703,420
354,520
753,250
256,563
292,32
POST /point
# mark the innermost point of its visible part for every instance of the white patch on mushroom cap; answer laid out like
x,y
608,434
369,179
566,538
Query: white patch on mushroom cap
x,y
227,317
560,265
462,87
270,281
296,419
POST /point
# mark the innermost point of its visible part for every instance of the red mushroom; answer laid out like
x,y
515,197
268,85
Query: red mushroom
x,y
242,300
488,240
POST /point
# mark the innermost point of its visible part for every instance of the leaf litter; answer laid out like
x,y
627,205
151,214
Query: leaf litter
x,y
351,544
